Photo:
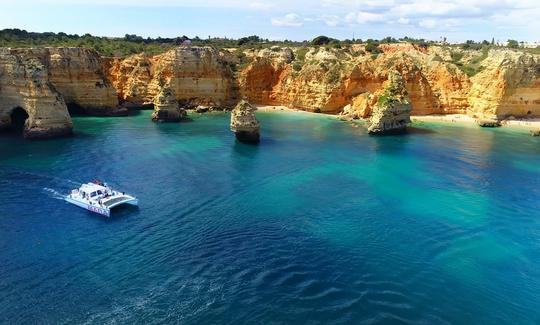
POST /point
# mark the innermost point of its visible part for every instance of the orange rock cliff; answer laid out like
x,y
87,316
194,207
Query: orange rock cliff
x,y
439,80
504,82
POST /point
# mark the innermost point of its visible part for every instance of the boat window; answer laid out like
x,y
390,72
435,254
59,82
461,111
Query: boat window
x,y
93,194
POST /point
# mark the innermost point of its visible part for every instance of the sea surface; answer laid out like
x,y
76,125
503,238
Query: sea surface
x,y
319,224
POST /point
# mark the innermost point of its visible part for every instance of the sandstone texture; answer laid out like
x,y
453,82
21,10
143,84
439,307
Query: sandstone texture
x,y
77,74
244,124
25,86
337,81
509,85
196,76
392,112
166,107
492,84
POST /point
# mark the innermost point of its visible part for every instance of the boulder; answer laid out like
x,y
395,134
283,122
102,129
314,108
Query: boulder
x,y
244,124
392,112
166,107
488,123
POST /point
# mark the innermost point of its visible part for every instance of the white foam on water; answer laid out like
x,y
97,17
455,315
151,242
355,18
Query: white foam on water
x,y
54,193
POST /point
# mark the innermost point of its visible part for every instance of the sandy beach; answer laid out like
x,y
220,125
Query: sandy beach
x,y
530,124
270,108
527,124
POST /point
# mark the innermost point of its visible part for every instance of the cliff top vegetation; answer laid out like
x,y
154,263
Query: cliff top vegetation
x,y
132,44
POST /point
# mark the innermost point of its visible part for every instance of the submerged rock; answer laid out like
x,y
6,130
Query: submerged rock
x,y
535,132
166,107
244,124
488,123
392,112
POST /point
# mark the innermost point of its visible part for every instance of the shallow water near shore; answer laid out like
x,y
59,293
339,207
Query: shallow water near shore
x,y
319,223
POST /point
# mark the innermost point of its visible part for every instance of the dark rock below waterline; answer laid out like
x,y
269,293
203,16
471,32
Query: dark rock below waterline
x,y
47,133
488,123
248,137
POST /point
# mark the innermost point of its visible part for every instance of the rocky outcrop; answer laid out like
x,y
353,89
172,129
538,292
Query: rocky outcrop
x,y
28,97
488,123
196,75
130,77
393,109
78,75
166,107
337,80
438,80
509,85
244,124
329,80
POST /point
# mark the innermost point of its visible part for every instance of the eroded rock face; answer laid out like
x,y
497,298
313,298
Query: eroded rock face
x,y
78,75
337,80
244,124
25,89
196,75
330,80
166,107
392,112
509,85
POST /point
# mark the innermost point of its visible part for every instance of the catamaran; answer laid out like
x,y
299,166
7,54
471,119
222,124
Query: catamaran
x,y
99,197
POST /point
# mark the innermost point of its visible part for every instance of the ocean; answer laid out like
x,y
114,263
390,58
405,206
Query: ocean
x,y
319,223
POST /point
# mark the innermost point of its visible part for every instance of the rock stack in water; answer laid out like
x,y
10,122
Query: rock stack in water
x,y
244,124
392,112
166,107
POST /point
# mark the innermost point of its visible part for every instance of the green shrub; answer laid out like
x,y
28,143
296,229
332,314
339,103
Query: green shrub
x,y
321,40
297,66
300,54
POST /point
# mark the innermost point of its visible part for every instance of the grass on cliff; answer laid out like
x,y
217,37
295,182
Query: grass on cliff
x,y
474,66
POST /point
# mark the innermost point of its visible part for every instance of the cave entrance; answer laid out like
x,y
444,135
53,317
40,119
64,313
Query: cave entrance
x,y
75,109
18,119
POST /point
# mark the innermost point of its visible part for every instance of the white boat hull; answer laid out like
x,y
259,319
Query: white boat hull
x,y
103,209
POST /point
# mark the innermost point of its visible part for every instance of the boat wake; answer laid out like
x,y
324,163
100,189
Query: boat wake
x,y
54,193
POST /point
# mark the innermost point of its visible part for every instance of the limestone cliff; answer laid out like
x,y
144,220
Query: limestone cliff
x,y
328,80
337,80
78,75
438,80
509,85
392,112
196,75
25,88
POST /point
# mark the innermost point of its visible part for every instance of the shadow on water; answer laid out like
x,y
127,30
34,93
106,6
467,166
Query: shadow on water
x,y
247,149
134,112
418,130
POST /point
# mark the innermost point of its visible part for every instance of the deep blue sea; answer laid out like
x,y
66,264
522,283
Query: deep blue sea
x,y
319,224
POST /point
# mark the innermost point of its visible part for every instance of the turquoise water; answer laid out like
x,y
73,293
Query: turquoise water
x,y
318,224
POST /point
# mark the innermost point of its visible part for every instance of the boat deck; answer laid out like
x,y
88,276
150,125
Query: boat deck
x,y
116,200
